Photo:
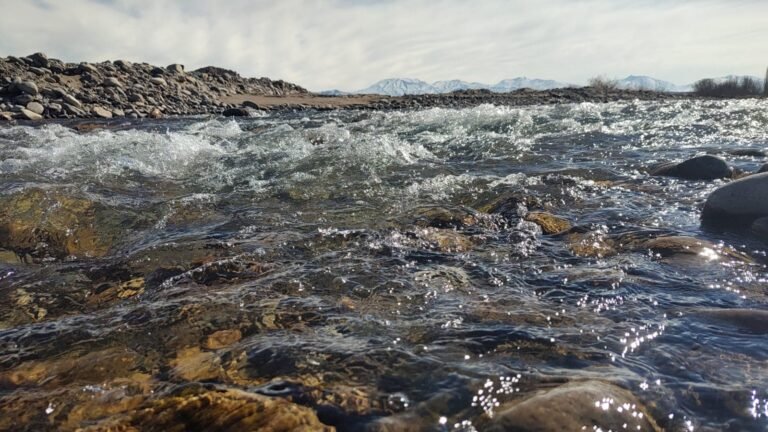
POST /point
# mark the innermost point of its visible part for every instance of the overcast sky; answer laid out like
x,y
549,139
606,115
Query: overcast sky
x,y
349,44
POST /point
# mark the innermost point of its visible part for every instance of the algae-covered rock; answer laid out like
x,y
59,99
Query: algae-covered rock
x,y
592,244
219,410
446,240
54,224
549,223
222,339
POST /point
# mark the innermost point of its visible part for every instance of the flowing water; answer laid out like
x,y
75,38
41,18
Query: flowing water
x,y
355,261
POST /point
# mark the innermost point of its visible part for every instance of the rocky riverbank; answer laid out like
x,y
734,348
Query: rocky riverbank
x,y
37,87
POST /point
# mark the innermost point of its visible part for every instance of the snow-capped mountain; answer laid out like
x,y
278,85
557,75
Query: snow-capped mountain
x,y
403,86
508,85
333,92
454,85
642,82
399,87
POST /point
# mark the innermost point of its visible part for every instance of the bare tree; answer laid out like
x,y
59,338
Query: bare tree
x,y
731,87
765,83
603,84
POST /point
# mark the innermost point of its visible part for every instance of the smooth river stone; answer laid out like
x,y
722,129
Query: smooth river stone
x,y
699,168
575,406
738,203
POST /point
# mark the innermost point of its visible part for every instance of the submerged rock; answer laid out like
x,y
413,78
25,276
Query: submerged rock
x,y
445,217
549,223
705,167
446,240
751,320
573,407
52,224
509,205
220,410
222,339
591,244
738,203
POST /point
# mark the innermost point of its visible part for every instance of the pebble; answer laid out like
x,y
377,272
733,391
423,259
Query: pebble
x,y
36,107
30,115
101,112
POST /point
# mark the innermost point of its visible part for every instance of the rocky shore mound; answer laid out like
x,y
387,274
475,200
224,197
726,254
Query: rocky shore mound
x,y
37,87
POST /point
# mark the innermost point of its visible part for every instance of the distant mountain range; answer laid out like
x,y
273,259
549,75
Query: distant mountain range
x,y
406,86
403,86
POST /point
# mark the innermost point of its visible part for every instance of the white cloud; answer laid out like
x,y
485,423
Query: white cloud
x,y
349,44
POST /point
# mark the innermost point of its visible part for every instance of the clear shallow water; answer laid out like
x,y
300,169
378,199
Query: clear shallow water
x,y
315,236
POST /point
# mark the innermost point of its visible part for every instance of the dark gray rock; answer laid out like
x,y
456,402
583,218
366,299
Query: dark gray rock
x,y
738,203
748,320
39,60
87,68
39,71
175,68
25,87
748,152
73,110
235,112
124,65
705,167
23,99
112,82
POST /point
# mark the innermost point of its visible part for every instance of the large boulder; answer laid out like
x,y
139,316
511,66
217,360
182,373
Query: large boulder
x,y
25,87
738,203
39,60
586,405
53,224
705,167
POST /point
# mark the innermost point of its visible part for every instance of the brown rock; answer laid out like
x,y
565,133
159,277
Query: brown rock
x,y
684,245
216,410
446,240
155,113
192,364
549,223
75,368
592,244
222,339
